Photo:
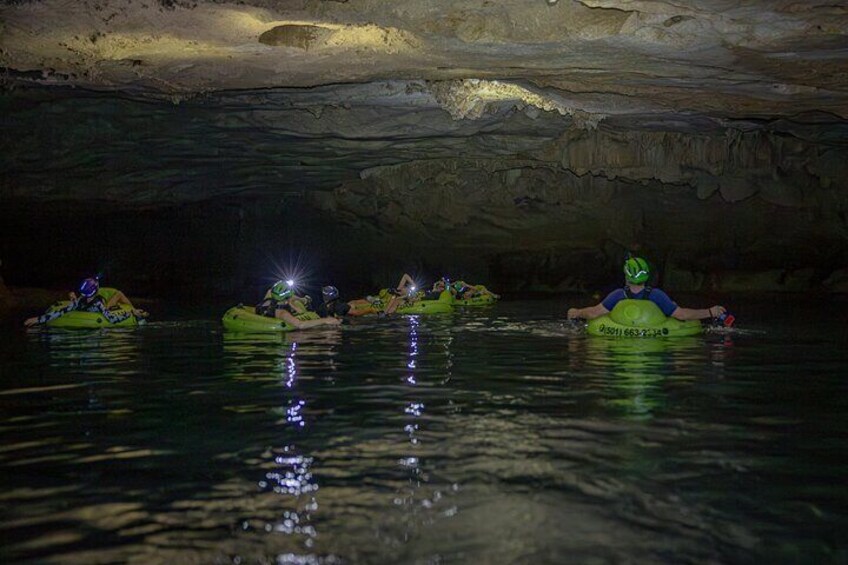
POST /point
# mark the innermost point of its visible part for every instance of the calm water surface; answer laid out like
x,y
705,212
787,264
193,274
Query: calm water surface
x,y
495,436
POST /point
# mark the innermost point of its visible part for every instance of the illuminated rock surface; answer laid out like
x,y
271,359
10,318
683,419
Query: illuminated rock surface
x,y
526,142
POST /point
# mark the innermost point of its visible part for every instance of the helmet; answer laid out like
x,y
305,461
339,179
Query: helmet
x,y
636,270
89,287
281,291
458,286
329,293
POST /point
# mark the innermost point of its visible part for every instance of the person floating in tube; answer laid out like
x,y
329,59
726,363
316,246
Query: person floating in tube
x,y
404,293
437,289
280,302
636,275
388,300
464,291
90,300
331,306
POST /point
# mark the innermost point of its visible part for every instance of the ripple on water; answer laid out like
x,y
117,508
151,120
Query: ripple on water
x,y
501,435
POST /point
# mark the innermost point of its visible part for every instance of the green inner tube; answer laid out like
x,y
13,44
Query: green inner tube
x,y
443,305
84,320
245,319
641,318
483,300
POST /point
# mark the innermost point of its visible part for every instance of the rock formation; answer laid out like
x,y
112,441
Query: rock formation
x,y
530,143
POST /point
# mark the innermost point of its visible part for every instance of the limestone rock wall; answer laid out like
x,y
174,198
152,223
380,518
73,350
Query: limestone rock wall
x,y
527,196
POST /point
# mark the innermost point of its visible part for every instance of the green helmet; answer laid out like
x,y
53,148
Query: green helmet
x,y
281,291
636,270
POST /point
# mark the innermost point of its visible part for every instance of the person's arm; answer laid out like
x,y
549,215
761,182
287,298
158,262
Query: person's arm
x,y
405,281
297,305
589,313
393,304
113,317
599,309
304,324
697,313
44,318
119,298
485,291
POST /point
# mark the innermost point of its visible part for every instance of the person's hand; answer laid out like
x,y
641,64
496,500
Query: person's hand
x,y
30,322
72,296
572,313
139,313
334,321
716,311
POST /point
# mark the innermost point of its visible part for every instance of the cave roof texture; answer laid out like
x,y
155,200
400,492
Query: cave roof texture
x,y
466,108
293,95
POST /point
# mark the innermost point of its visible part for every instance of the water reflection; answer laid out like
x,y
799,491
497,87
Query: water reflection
x,y
88,349
633,371
467,438
413,408
287,472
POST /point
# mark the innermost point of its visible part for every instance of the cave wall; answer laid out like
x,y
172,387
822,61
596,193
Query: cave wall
x,y
374,179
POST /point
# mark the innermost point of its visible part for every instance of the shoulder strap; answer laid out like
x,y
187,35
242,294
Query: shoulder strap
x,y
628,294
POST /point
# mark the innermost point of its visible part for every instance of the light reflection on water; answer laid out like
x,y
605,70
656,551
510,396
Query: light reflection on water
x,y
492,436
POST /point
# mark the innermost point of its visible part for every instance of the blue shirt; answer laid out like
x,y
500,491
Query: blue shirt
x,y
658,297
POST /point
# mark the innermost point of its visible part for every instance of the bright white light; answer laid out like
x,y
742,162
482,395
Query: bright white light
x,y
290,282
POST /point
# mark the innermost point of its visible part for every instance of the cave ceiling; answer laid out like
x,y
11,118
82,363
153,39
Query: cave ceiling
x,y
146,102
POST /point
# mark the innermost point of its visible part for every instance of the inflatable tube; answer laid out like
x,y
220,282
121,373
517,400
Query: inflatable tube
x,y
75,319
363,308
482,300
641,318
443,305
245,319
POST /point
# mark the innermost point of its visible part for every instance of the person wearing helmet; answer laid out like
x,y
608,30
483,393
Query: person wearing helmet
x,y
463,291
404,293
331,306
636,275
437,289
280,302
89,300
281,296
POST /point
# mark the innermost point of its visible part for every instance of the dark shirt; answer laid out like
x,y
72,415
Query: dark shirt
x,y
333,308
